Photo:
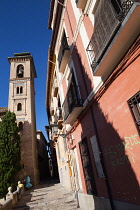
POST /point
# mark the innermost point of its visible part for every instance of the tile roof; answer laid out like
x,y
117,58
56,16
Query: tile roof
x,y
3,109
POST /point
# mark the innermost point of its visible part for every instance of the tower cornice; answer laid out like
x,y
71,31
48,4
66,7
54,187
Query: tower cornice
x,y
22,103
20,80
19,59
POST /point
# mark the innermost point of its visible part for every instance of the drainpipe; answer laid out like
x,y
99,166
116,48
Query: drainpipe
x,y
102,161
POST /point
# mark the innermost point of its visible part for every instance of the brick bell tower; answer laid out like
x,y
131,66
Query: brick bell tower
x,y
22,103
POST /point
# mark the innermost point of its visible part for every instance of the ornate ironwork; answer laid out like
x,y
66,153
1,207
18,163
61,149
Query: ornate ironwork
x,y
125,7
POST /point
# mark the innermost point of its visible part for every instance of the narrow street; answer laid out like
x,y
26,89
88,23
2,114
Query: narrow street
x,y
48,195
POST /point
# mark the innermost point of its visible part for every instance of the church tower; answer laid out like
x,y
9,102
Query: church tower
x,y
22,103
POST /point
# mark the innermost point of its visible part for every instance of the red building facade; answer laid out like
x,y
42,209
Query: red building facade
x,y
94,57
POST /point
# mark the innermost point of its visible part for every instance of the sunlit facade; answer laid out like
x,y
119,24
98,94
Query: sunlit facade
x,y
93,100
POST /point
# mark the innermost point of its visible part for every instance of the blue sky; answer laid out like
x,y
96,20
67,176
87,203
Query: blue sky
x,y
24,28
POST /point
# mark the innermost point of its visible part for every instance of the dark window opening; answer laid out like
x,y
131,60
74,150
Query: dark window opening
x,y
17,90
87,167
21,89
59,104
20,71
64,46
20,125
19,107
73,92
134,105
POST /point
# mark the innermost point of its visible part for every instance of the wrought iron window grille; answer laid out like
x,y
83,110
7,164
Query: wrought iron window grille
x,y
134,105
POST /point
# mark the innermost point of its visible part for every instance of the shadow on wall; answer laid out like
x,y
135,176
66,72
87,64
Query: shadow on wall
x,y
43,159
27,157
117,155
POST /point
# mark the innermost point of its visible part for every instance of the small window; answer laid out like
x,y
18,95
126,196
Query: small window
x,y
134,104
20,125
17,90
19,107
21,89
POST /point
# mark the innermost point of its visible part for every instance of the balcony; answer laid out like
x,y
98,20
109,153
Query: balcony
x,y
64,54
110,38
72,105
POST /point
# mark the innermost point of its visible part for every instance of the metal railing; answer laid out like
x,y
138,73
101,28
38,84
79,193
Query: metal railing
x,y
71,101
108,18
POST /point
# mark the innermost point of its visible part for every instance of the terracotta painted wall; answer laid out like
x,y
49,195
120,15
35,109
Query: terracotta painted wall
x,y
118,135
89,25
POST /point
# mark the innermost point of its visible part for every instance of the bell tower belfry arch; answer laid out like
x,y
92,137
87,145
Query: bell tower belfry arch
x,y
22,103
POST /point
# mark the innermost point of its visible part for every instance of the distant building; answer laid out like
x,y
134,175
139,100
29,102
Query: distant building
x,y
43,156
3,111
93,100
22,103
53,166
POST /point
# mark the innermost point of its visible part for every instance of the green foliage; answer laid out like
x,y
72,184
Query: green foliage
x,y
9,152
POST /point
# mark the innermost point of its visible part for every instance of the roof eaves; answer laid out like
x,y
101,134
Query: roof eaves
x,y
51,13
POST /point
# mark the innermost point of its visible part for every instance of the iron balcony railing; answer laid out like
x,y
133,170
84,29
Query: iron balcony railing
x,y
64,46
71,101
108,18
